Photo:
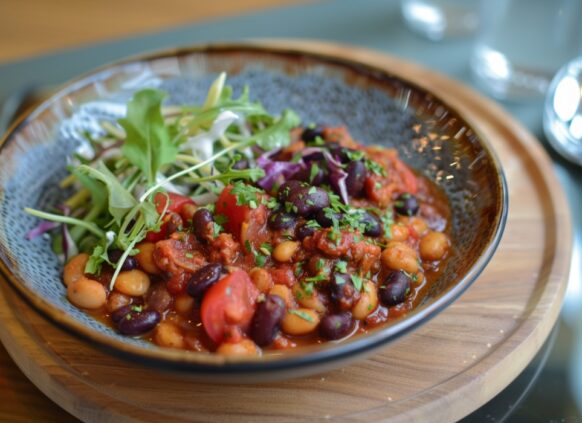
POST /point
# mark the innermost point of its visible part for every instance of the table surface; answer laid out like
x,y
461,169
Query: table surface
x,y
550,389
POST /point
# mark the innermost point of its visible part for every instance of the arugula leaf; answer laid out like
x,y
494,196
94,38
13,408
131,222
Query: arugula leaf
x,y
120,200
277,135
148,144
97,190
97,258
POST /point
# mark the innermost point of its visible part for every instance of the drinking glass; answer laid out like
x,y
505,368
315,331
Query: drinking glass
x,y
522,43
438,19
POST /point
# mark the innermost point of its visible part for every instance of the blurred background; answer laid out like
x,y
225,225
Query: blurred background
x,y
509,50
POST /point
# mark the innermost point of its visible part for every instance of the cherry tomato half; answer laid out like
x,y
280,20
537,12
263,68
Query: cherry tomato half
x,y
228,306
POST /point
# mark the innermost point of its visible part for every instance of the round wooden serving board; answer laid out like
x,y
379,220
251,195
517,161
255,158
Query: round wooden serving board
x,y
441,372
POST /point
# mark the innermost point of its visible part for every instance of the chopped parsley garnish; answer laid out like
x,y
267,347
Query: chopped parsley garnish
x,y
302,314
358,282
246,195
341,266
387,219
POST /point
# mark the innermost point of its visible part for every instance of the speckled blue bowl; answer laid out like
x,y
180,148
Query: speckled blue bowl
x,y
376,106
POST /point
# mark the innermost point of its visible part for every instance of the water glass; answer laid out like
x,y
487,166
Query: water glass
x,y
438,19
522,43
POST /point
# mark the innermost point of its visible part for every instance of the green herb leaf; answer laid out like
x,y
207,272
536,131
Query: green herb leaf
x,y
277,135
120,201
302,314
148,143
358,282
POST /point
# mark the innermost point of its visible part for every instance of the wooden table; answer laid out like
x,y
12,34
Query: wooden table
x,y
33,27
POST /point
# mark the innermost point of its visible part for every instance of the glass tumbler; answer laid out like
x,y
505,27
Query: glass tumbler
x,y
439,19
522,43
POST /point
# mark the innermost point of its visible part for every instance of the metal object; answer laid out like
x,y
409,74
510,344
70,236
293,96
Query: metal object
x,y
563,112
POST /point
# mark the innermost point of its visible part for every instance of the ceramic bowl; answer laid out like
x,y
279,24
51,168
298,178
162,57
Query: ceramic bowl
x,y
377,107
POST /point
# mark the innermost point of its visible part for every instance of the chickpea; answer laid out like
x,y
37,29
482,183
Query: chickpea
x,y
285,250
367,303
312,301
133,283
399,256
419,225
75,269
87,293
283,292
434,246
169,335
184,304
145,257
262,279
399,232
117,300
243,347
300,321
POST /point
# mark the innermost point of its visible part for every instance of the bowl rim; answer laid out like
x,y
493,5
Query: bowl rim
x,y
205,363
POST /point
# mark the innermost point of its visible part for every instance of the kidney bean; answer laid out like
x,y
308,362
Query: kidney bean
x,y
356,178
406,205
201,222
304,231
310,134
373,224
336,326
394,289
282,220
173,222
267,319
120,313
138,322
160,299
309,200
288,189
342,291
326,217
203,279
314,174
130,263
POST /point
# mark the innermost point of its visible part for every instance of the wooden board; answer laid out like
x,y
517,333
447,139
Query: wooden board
x,y
441,372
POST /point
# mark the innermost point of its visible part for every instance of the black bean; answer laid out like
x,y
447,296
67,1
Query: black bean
x,y
202,224
138,322
308,200
282,220
310,134
304,231
266,320
406,205
373,224
203,279
288,189
241,164
326,217
313,173
357,174
336,326
342,291
395,289
130,263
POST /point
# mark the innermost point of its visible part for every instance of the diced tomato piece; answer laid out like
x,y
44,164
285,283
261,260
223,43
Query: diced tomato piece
x,y
228,306
177,201
172,222
235,214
